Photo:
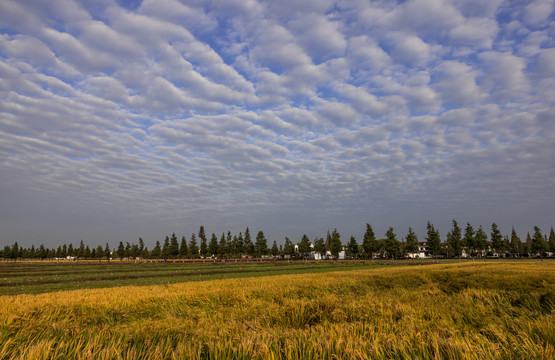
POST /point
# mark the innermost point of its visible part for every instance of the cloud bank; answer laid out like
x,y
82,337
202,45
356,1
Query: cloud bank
x,y
121,119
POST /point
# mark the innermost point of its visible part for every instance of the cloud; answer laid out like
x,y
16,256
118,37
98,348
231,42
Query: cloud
x,y
287,116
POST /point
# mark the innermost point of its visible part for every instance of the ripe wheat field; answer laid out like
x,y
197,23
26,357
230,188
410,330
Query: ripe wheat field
x,y
500,310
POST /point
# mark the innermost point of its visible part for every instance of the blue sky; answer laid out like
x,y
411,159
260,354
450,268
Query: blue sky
x,y
121,119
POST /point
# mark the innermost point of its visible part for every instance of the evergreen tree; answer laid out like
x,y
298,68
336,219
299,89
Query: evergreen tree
x,y
320,246
274,250
335,246
213,246
156,252
134,253
370,245
87,252
222,246
328,241
528,244
304,246
391,245
433,240
289,247
203,242
81,250
552,241
173,249
64,251
261,245
107,251
69,250
515,245
496,239
166,248
411,242
121,250
454,240
93,253
42,252
481,241
127,252
141,247
468,239
193,247
539,245
183,248
99,252
248,245
352,247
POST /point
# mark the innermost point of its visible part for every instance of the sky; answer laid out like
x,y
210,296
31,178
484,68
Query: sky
x,y
128,119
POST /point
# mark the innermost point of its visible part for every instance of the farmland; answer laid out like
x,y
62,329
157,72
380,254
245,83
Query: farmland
x,y
486,310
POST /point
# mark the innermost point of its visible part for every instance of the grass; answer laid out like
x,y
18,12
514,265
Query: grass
x,y
501,310
41,276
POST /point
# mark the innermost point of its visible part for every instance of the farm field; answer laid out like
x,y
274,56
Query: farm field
x,y
46,276
490,310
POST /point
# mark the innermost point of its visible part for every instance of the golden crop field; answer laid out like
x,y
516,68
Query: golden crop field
x,y
499,310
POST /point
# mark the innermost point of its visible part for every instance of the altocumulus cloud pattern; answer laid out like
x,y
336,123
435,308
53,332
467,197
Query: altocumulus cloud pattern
x,y
121,119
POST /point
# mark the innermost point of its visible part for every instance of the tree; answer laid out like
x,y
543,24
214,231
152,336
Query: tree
x,y
183,248
274,250
539,245
203,242
496,239
121,250
99,252
248,245
193,247
454,240
352,247
433,240
468,239
304,246
222,246
335,246
261,245
81,250
320,246
213,246
288,248
127,252
411,242
174,246
156,252
391,245
107,251
552,240
369,243
328,241
481,241
141,247
515,244
166,248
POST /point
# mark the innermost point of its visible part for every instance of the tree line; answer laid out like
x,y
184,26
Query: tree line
x,y
470,242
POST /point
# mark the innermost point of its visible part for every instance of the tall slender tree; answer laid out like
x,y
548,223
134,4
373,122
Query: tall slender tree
x,y
261,245
391,246
552,241
352,247
454,240
539,245
411,242
213,246
183,251
515,245
203,242
193,247
335,247
304,246
433,240
468,239
320,246
174,247
497,240
370,245
481,241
